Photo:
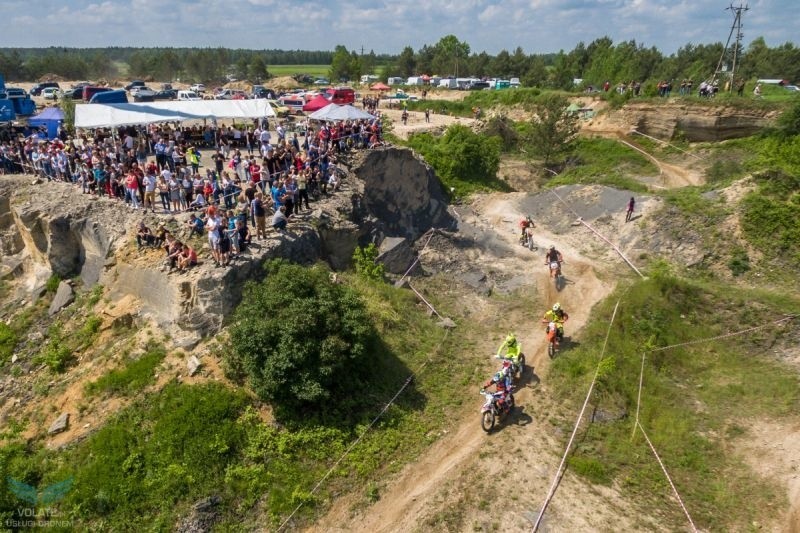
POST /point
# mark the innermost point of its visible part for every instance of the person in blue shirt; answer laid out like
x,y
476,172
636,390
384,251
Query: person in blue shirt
x,y
195,226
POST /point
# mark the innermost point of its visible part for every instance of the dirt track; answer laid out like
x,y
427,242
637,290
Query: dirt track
x,y
458,470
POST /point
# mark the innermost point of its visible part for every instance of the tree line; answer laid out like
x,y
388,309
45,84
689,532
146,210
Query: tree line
x,y
597,62
200,64
600,61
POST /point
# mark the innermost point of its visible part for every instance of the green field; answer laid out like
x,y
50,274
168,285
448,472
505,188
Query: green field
x,y
290,70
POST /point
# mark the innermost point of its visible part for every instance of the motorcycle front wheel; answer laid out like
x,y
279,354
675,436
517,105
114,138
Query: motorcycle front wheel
x,y
487,420
551,349
521,365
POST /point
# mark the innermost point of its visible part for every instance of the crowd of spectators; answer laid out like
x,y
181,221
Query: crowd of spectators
x,y
249,174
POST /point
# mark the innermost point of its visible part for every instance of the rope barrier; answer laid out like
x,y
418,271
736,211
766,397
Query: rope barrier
x,y
637,422
560,470
614,246
671,484
724,336
431,231
637,132
350,448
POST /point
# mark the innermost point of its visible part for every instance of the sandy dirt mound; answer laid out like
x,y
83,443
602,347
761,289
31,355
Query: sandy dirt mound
x,y
284,82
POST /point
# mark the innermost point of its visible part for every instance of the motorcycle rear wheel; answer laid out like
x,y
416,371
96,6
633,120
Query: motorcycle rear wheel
x,y
487,420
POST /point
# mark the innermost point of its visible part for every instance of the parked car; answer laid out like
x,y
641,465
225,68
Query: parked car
x,y
479,86
89,91
188,96
134,83
293,103
278,107
223,94
198,88
15,92
239,95
142,90
791,87
263,92
51,93
168,94
321,81
39,88
341,95
115,96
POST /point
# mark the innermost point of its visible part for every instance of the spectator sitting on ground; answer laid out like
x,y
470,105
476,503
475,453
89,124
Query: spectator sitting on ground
x,y
161,236
279,220
187,258
195,225
175,249
198,203
241,236
144,237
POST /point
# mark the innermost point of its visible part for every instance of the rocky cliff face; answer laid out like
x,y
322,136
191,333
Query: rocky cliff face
x,y
51,228
694,122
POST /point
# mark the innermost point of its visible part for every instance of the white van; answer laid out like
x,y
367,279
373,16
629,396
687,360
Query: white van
x,y
415,80
396,81
448,83
187,95
368,78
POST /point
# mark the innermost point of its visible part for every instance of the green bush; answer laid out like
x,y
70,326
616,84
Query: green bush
x,y
52,283
739,262
166,448
465,161
135,376
364,261
771,215
56,353
302,339
8,341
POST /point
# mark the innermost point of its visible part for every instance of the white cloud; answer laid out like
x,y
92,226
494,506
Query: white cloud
x,y
389,25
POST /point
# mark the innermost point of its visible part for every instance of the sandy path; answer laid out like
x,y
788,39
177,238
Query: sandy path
x,y
457,472
416,121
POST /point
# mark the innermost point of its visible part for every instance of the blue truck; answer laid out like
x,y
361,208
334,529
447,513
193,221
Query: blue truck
x,y
14,103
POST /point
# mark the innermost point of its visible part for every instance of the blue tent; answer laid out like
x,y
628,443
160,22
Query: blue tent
x,y
51,117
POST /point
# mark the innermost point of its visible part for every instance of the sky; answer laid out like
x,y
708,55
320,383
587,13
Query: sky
x,y
387,26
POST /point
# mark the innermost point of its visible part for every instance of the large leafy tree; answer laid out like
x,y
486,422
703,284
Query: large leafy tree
x,y
301,339
552,128
406,62
450,55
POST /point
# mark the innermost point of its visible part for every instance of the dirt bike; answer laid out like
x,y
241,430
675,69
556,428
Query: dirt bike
x,y
555,271
527,239
552,337
491,412
517,369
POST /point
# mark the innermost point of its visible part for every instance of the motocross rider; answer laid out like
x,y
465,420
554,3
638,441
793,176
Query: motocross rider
x,y
502,382
524,224
553,255
558,316
512,347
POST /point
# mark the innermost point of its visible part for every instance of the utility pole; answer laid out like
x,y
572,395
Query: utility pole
x,y
736,35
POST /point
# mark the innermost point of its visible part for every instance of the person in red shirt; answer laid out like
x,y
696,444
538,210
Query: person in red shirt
x,y
132,189
187,258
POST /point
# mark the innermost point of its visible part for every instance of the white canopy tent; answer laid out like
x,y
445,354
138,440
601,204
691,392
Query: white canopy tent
x,y
335,112
114,115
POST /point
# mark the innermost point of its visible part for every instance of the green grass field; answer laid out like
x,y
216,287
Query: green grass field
x,y
289,70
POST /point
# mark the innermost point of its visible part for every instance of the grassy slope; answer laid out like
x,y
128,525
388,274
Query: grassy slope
x,y
695,401
183,443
